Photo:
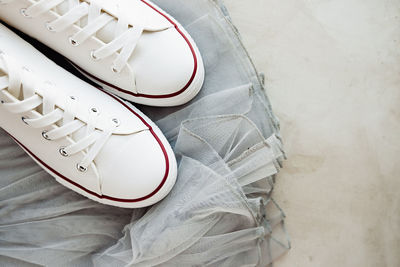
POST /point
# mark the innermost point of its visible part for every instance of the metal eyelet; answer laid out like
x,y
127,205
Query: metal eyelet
x,y
48,27
94,110
80,168
45,135
63,152
23,13
73,42
115,121
93,56
114,69
24,120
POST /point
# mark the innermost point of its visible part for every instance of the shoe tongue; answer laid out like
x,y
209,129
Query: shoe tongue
x,y
106,34
80,134
135,11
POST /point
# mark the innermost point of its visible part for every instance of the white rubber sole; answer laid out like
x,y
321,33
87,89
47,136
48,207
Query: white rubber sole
x,y
162,193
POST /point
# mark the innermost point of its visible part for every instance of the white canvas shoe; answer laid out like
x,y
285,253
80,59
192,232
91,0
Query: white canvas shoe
x,y
131,48
90,141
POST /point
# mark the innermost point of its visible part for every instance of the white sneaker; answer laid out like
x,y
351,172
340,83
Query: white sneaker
x,y
136,51
89,140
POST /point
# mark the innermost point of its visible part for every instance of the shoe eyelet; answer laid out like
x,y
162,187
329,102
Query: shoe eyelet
x,y
45,136
114,69
63,152
23,13
94,111
73,42
72,97
24,120
48,27
116,121
92,55
81,168
2,102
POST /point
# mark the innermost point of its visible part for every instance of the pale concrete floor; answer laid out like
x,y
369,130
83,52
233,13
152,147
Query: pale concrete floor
x,y
333,74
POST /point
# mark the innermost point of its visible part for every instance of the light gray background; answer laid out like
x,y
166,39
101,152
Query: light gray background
x,y
332,72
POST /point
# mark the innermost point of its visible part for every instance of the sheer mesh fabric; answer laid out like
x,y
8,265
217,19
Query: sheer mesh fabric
x,y
220,213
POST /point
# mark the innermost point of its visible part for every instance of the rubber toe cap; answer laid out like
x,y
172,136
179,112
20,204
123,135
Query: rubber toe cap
x,y
163,62
132,167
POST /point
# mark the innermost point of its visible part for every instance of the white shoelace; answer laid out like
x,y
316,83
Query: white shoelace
x,y
125,36
20,82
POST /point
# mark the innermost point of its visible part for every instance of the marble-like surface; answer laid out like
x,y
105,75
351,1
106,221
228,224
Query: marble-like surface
x,y
333,75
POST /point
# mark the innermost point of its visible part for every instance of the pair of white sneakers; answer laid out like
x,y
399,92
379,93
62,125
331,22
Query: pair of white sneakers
x,y
88,139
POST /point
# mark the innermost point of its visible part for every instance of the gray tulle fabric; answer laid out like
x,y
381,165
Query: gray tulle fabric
x,y
220,213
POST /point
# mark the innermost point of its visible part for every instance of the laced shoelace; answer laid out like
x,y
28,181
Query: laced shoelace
x,y
125,37
20,82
